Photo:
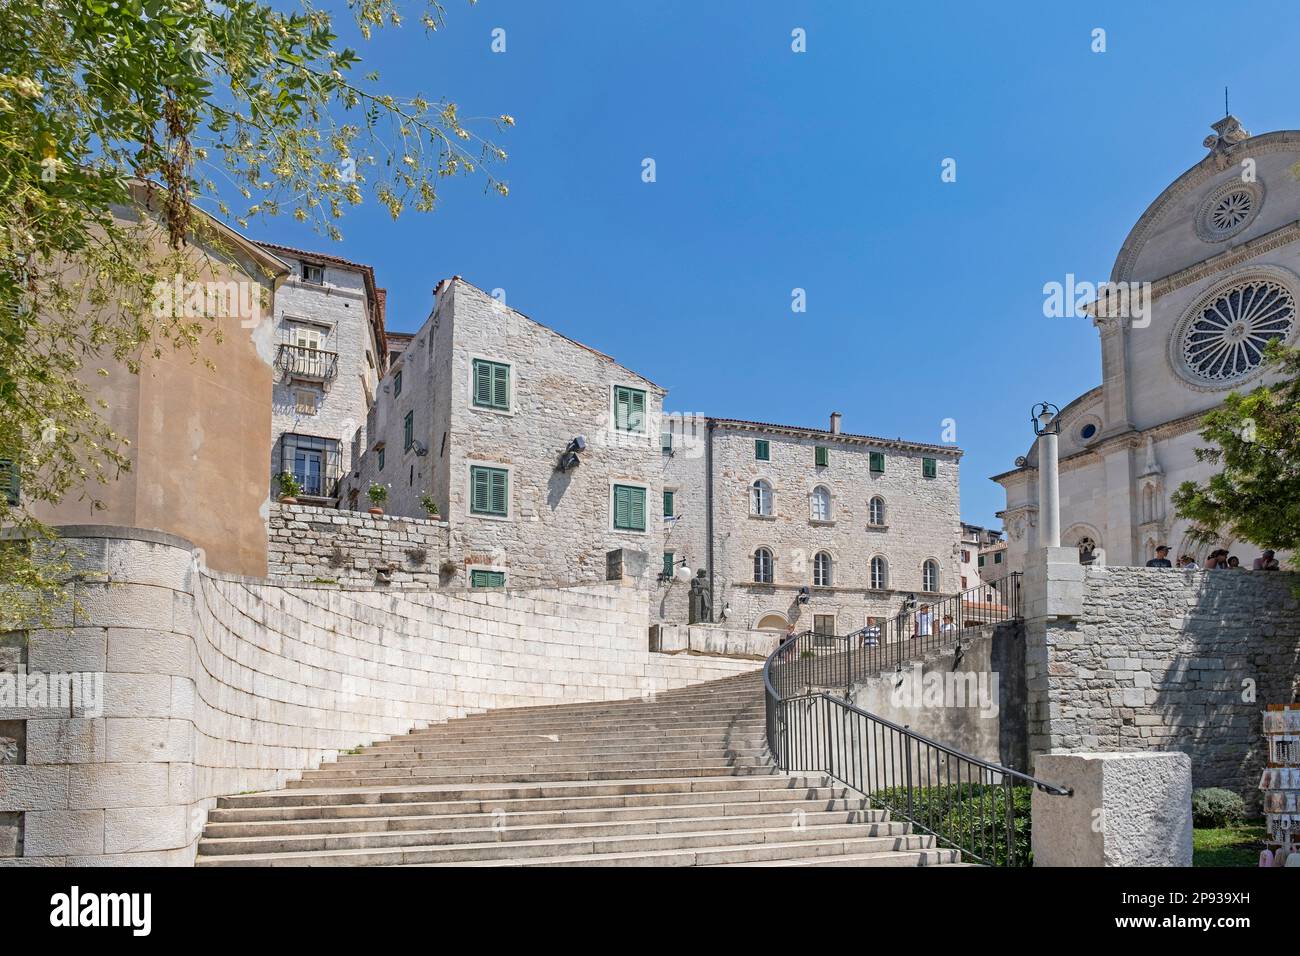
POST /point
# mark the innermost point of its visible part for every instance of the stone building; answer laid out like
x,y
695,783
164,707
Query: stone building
x,y
1216,261
975,541
330,353
540,453
819,528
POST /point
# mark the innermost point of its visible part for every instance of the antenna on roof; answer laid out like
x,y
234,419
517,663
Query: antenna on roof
x,y
1225,101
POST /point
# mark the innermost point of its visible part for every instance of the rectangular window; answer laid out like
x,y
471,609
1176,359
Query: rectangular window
x,y
997,557
10,480
823,456
408,430
313,274
629,409
666,442
929,467
824,623
304,402
629,508
492,385
305,336
380,455
397,383
965,556
489,489
762,451
668,564
877,463
487,579
981,561
668,503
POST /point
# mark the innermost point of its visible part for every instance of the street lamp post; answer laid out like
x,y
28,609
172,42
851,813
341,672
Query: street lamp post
x,y
1047,427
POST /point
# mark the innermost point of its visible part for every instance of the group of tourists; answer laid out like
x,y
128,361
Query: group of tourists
x,y
1218,560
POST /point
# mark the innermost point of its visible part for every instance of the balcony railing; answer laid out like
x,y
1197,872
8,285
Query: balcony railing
x,y
298,361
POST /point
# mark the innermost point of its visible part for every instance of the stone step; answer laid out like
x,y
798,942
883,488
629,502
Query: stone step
x,y
481,827
718,846
546,745
269,821
533,760
514,791
508,741
319,778
292,807
934,856
648,727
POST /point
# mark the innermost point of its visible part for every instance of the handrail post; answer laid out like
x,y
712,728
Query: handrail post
x,y
907,771
1008,793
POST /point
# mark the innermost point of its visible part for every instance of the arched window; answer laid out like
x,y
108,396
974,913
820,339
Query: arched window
x,y
822,570
761,498
879,574
930,576
877,511
762,566
819,504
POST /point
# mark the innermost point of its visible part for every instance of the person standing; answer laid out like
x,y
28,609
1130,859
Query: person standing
x,y
1266,562
871,633
924,621
1161,560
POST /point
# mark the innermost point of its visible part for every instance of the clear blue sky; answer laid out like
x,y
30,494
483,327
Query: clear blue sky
x,y
821,171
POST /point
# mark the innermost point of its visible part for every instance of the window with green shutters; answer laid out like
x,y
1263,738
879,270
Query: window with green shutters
x,y
668,503
629,508
408,430
380,456
629,409
981,561
929,467
491,385
397,383
762,451
9,480
668,564
666,442
822,456
878,462
487,579
489,491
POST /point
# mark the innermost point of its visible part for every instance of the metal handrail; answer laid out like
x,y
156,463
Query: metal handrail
x,y
938,788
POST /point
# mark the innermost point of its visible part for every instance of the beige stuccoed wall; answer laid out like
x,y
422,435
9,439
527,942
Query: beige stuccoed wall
x,y
217,685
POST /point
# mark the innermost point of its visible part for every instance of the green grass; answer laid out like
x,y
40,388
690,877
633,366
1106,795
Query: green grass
x,y
1228,846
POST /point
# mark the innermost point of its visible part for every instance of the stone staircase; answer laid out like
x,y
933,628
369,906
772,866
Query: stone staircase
x,y
682,779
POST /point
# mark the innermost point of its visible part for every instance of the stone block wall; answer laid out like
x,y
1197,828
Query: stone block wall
x,y
1160,659
215,685
327,546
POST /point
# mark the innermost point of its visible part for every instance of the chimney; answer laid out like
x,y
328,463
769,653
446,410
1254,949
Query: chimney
x,y
835,422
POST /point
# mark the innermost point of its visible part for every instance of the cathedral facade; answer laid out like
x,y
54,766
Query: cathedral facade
x,y
1215,260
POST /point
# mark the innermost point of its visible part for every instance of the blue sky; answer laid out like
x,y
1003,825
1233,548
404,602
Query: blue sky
x,y
819,171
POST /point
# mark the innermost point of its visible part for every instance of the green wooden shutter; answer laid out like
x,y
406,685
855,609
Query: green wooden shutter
x,y
929,467
666,442
482,383
823,456
762,451
501,386
397,384
629,409
10,480
878,462
487,579
481,498
636,421
629,508
668,504
408,430
668,564
499,500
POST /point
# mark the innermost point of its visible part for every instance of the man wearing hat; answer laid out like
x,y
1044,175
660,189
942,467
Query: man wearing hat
x,y
1161,560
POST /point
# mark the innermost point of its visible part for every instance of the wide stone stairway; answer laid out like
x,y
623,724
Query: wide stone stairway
x,y
681,779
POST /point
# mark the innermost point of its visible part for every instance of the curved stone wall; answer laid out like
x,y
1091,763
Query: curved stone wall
x,y
214,684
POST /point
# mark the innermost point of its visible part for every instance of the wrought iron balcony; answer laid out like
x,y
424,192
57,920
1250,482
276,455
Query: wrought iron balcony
x,y
298,361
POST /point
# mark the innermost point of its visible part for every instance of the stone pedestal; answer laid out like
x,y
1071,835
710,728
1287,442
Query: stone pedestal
x,y
1128,809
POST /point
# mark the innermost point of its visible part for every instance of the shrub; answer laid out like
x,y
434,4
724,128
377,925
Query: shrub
x,y
290,487
1214,807
377,493
971,816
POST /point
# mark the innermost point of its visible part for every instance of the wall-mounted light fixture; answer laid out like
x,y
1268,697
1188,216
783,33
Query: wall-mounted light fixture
x,y
569,457
681,572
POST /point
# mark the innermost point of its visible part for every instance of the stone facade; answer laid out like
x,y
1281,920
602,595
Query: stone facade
x,y
215,685
1128,444
1131,659
324,390
712,469
326,546
557,525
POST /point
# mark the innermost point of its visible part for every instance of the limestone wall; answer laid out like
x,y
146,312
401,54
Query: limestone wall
x,y
1157,659
217,685
327,546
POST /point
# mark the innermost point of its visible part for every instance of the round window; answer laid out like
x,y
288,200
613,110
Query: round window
x,y
1222,339
1228,210
1087,431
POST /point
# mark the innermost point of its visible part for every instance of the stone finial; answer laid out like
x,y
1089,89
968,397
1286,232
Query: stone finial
x,y
1227,132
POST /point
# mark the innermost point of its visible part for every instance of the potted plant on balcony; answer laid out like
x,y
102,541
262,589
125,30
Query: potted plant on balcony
x,y
290,487
378,495
428,504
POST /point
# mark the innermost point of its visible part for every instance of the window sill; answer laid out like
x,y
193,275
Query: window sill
x,y
762,517
817,523
877,527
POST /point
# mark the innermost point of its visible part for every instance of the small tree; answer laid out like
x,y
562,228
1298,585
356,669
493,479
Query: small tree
x,y
428,504
290,487
1256,494
378,494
